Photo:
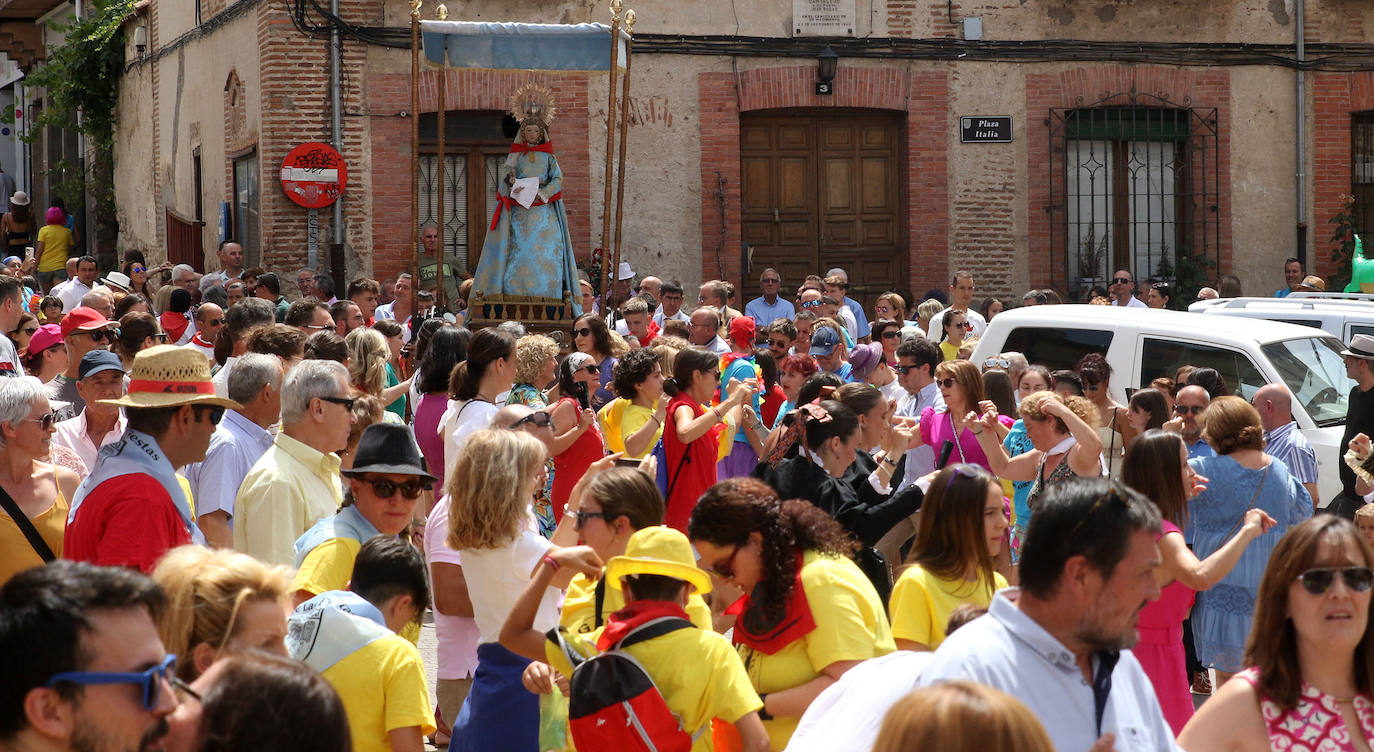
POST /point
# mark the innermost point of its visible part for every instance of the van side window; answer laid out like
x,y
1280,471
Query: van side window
x,y
1314,323
1162,357
1056,348
1359,329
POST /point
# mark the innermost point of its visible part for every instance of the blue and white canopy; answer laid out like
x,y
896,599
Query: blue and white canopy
x,y
519,46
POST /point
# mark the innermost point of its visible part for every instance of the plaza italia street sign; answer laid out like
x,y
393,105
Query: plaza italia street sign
x,y
985,130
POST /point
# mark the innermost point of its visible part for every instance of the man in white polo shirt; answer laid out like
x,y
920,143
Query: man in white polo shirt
x,y
1060,642
1122,290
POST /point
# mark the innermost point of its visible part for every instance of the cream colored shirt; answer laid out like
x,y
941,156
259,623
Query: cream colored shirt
x,y
288,490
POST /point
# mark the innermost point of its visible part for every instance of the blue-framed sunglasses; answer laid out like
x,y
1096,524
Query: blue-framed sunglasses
x,y
150,681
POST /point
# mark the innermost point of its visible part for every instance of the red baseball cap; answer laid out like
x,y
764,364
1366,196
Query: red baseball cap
x,y
742,331
84,319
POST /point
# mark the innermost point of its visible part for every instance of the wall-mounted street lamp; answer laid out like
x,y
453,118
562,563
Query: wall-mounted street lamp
x,y
827,65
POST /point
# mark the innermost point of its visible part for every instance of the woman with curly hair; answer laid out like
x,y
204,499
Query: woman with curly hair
x,y
535,358
632,422
219,602
809,614
1066,444
1240,477
592,337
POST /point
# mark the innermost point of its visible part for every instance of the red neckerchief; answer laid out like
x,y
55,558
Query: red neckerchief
x,y
622,622
797,621
520,147
196,339
174,324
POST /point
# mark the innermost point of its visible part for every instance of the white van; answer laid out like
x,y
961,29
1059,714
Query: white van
x,y
1343,317
1144,344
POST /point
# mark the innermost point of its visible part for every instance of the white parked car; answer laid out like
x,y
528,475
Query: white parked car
x,y
1343,316
1144,344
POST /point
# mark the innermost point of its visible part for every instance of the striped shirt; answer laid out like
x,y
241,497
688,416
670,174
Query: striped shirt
x,y
1289,445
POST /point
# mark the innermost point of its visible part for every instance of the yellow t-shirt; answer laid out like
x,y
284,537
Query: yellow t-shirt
x,y
850,626
949,350
57,241
621,418
922,603
698,674
383,688
579,607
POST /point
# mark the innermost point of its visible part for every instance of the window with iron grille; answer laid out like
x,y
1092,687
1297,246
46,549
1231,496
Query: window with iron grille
x,y
1362,171
1133,181
475,144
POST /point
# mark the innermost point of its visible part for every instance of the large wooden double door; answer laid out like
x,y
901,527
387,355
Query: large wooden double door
x,y
822,190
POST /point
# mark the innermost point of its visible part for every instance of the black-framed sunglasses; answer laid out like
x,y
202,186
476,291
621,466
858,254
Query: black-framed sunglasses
x,y
947,383
149,682
347,402
585,331
44,422
581,518
1121,280
539,419
779,343
592,368
904,370
28,331
386,488
101,335
892,333
1319,580
216,322
960,324
1189,409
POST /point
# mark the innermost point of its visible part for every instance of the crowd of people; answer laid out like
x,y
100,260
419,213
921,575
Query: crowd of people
x,y
802,525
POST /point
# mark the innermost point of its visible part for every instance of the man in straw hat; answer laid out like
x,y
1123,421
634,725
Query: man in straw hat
x,y
388,477
697,671
133,506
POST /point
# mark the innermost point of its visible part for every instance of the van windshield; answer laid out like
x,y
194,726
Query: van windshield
x,y
1314,370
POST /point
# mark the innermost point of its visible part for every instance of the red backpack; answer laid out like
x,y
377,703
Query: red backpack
x,y
613,703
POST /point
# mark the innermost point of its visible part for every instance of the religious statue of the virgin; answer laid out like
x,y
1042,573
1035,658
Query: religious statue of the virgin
x,y
527,270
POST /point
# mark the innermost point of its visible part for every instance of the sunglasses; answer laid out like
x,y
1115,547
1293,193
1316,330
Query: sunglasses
x,y
216,415
960,324
771,281
779,343
904,370
961,470
997,363
1189,409
592,368
100,335
28,330
947,383
811,304
149,682
138,269
1121,281
347,402
581,518
726,569
161,336
537,419
585,331
892,334
220,322
44,422
1319,580
385,489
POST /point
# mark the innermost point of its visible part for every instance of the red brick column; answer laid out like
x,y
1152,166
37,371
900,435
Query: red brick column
x,y
1334,97
1085,87
921,95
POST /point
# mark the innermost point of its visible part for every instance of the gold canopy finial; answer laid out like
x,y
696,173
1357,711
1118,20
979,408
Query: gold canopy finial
x,y
616,5
630,20
443,12
415,9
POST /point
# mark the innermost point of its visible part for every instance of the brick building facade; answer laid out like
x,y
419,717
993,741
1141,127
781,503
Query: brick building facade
x,y
1125,148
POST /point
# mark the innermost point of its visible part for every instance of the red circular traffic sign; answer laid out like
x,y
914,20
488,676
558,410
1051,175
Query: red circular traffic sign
x,y
314,175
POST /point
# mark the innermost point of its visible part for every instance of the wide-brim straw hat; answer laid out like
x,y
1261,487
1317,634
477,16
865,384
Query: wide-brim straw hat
x,y
171,376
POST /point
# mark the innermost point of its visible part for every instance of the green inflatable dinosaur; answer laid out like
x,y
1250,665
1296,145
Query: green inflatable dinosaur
x,y
1361,270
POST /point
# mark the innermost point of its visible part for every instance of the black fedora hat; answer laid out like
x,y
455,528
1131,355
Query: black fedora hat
x,y
389,448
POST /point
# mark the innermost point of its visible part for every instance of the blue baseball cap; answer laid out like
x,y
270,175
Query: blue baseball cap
x,y
96,361
823,341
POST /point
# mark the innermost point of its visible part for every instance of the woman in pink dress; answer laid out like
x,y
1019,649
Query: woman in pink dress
x,y
961,387
1156,464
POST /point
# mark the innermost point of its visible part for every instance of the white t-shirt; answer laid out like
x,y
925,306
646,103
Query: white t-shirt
x,y
457,635
497,576
460,419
